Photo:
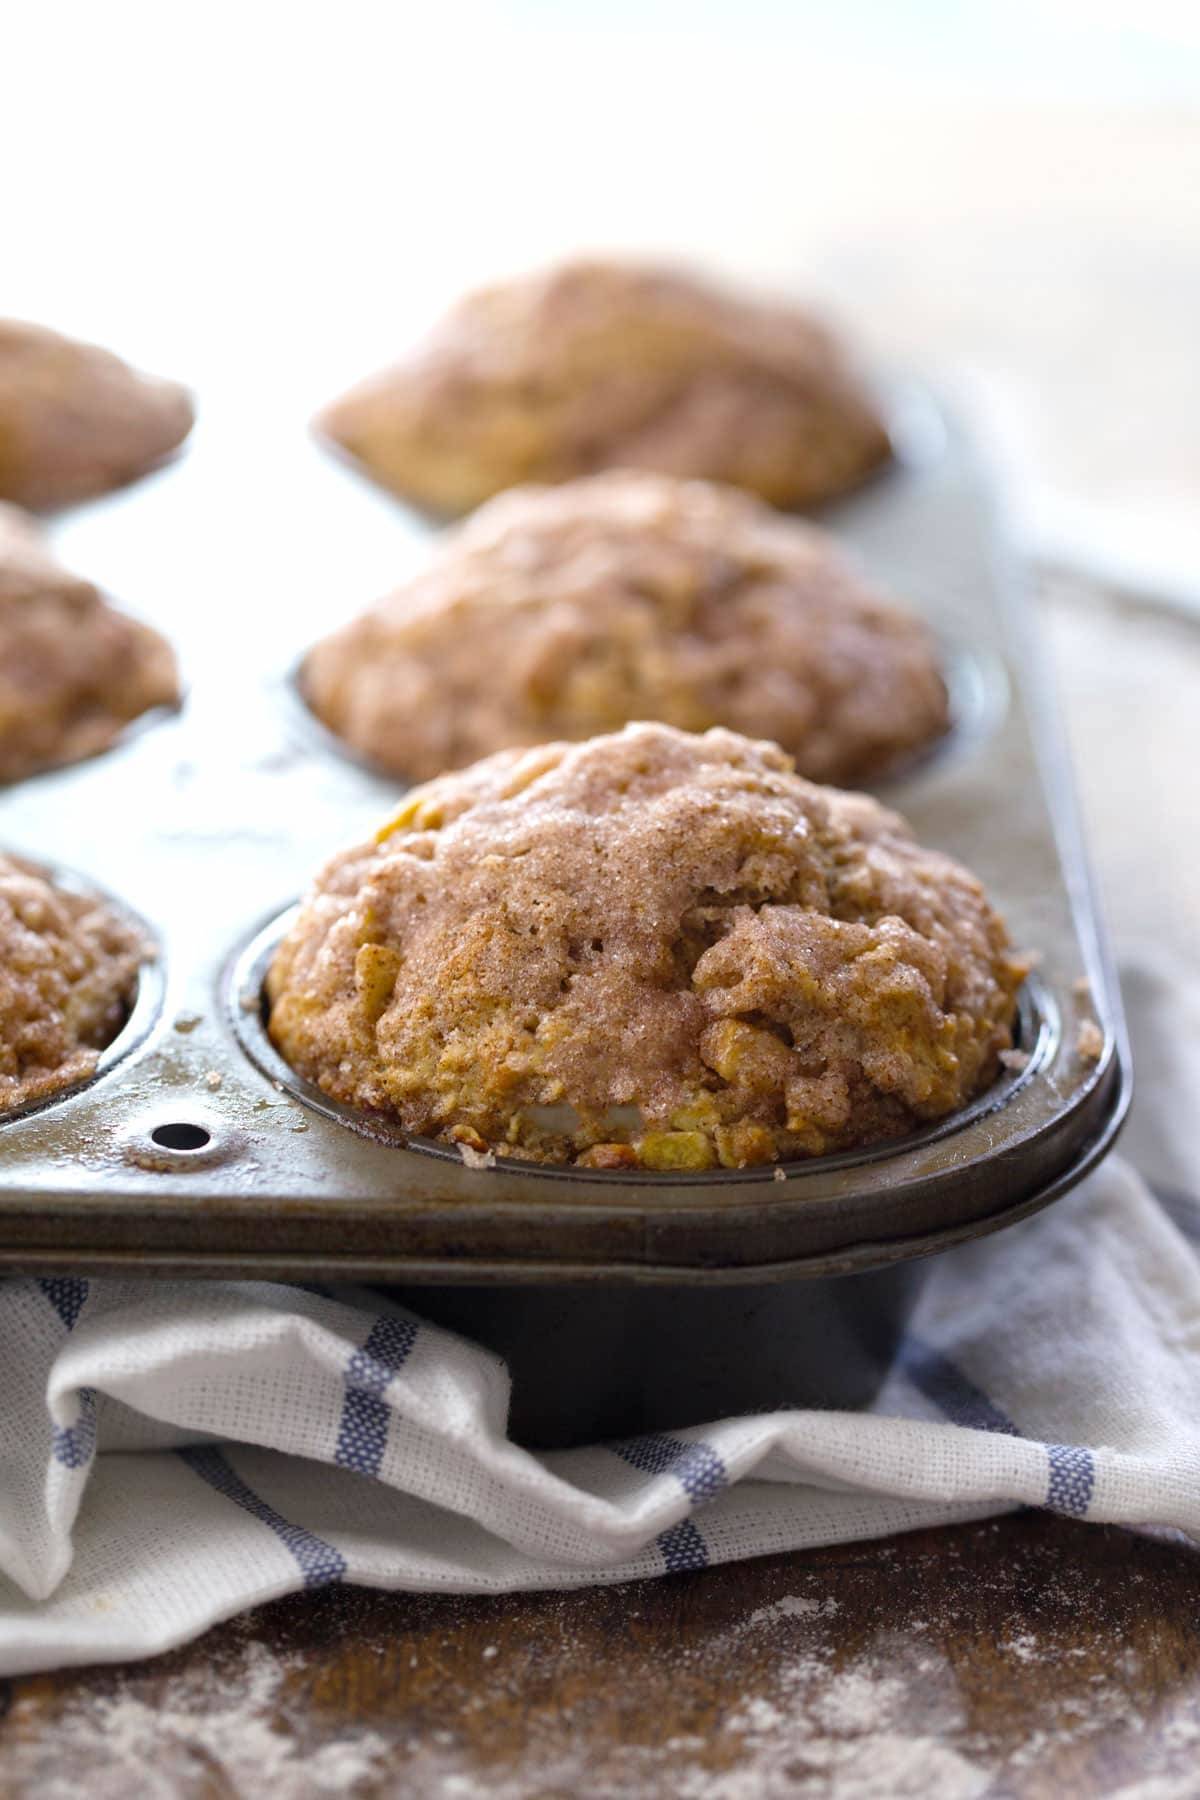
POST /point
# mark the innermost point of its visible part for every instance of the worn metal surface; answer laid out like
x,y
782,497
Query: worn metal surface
x,y
196,1150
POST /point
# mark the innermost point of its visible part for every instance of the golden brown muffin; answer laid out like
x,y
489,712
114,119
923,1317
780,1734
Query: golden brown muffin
x,y
73,671
598,366
68,972
564,612
651,949
77,421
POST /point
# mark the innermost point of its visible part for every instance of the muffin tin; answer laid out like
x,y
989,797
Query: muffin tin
x,y
195,1149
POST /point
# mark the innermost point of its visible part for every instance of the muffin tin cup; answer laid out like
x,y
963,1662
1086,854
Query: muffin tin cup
x,y
148,721
976,687
144,1008
194,1149
711,1353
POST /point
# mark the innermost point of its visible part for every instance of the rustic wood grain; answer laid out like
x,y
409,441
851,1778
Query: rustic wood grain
x,y
1027,1656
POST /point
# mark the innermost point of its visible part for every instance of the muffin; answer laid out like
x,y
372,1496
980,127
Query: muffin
x,y
68,973
652,950
597,366
73,671
565,612
76,421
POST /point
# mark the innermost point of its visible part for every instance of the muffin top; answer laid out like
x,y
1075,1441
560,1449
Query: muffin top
x,y
650,950
68,971
597,365
77,421
564,612
73,671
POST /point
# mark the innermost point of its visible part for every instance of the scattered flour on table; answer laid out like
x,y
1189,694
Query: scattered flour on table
x,y
817,1733
800,1715
792,1606
218,1726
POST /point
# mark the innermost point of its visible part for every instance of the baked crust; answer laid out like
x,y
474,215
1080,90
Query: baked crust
x,y
68,971
699,955
597,365
565,612
75,420
74,672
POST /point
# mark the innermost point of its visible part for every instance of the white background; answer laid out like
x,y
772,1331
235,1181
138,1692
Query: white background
x,y
268,200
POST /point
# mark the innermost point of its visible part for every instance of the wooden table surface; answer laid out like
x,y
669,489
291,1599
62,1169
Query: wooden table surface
x,y
1027,1656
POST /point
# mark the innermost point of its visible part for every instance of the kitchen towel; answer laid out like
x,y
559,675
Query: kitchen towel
x,y
175,1452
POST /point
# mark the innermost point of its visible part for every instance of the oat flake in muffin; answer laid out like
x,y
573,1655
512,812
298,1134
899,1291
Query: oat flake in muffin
x,y
651,949
562,612
68,971
74,672
599,365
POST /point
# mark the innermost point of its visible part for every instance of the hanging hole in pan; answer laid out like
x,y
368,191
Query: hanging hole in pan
x,y
179,1141
181,1134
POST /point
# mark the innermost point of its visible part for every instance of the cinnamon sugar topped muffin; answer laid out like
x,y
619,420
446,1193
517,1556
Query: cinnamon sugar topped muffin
x,y
68,971
599,365
74,672
563,612
75,420
650,950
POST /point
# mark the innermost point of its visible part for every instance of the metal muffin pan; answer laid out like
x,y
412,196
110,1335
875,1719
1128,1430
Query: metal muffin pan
x,y
194,1149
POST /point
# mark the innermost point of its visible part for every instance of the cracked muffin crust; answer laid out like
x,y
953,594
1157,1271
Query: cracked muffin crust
x,y
68,972
565,612
74,672
76,421
650,950
597,365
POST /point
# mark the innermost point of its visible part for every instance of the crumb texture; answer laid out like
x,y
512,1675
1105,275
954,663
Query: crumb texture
x,y
652,949
68,969
75,420
73,670
595,365
564,612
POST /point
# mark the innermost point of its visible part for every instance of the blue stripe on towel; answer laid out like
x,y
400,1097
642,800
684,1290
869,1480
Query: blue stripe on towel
x,y
1071,1476
66,1294
696,1466
950,1390
362,1433
74,1445
682,1547
700,1472
1072,1479
319,1562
